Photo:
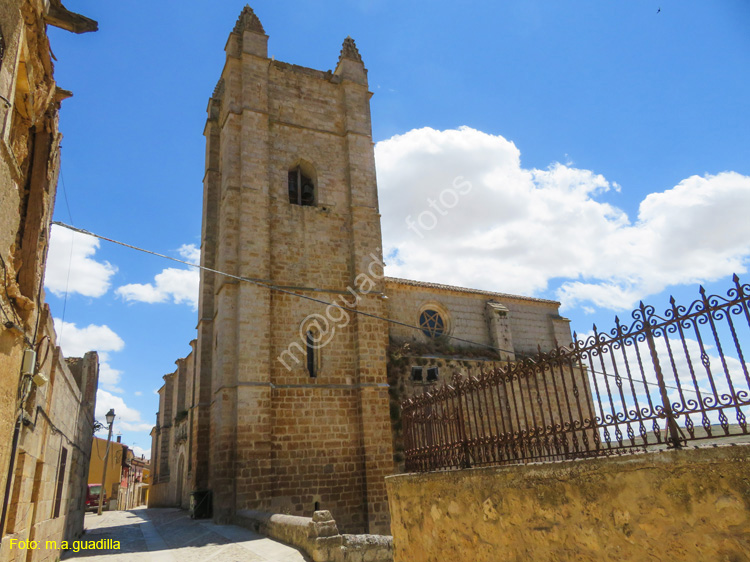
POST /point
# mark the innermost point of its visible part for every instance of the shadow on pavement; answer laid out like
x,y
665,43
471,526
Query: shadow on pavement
x,y
151,530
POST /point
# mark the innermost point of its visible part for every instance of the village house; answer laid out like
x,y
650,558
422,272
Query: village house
x,y
117,465
46,401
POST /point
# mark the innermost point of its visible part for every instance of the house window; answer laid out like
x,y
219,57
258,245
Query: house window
x,y
301,188
60,481
432,374
416,374
432,323
312,367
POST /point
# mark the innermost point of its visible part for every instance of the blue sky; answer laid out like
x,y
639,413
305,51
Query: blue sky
x,y
606,143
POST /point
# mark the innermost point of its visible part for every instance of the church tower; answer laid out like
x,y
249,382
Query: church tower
x,y
293,411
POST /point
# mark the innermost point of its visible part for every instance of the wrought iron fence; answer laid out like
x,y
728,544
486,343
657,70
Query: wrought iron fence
x,y
659,382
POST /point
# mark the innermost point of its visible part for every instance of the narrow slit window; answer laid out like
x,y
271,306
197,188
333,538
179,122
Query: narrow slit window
x,y
416,374
310,344
2,48
432,374
301,188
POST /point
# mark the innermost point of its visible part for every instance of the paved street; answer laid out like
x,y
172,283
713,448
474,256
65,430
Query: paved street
x,y
166,535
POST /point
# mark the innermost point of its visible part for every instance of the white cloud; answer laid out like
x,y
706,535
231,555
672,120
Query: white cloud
x,y
75,342
141,426
140,451
138,393
109,377
123,413
175,285
514,229
191,253
126,418
71,265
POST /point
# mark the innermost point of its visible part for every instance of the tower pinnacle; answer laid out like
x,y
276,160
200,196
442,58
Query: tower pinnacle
x,y
248,21
350,64
349,50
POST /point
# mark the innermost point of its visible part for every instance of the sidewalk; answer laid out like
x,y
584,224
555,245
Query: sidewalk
x,y
169,535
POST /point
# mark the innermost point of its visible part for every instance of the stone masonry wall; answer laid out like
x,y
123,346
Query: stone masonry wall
x,y
318,537
39,423
689,505
279,439
28,173
58,423
533,322
402,387
173,436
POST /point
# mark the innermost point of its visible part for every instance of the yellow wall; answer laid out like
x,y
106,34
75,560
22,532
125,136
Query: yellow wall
x,y
691,505
114,470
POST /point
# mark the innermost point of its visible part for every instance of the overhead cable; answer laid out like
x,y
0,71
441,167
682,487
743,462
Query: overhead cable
x,y
265,285
270,287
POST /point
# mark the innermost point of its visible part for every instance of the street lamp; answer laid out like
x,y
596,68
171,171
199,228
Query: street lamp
x,y
110,420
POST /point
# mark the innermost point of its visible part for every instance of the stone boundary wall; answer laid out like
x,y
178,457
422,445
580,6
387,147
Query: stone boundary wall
x,y
318,537
687,505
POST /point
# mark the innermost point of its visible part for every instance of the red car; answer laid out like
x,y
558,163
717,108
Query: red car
x,y
92,498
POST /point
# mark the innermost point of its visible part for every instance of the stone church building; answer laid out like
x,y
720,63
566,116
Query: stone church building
x,y
288,404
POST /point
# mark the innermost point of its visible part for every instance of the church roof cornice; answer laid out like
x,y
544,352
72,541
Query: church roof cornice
x,y
456,289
